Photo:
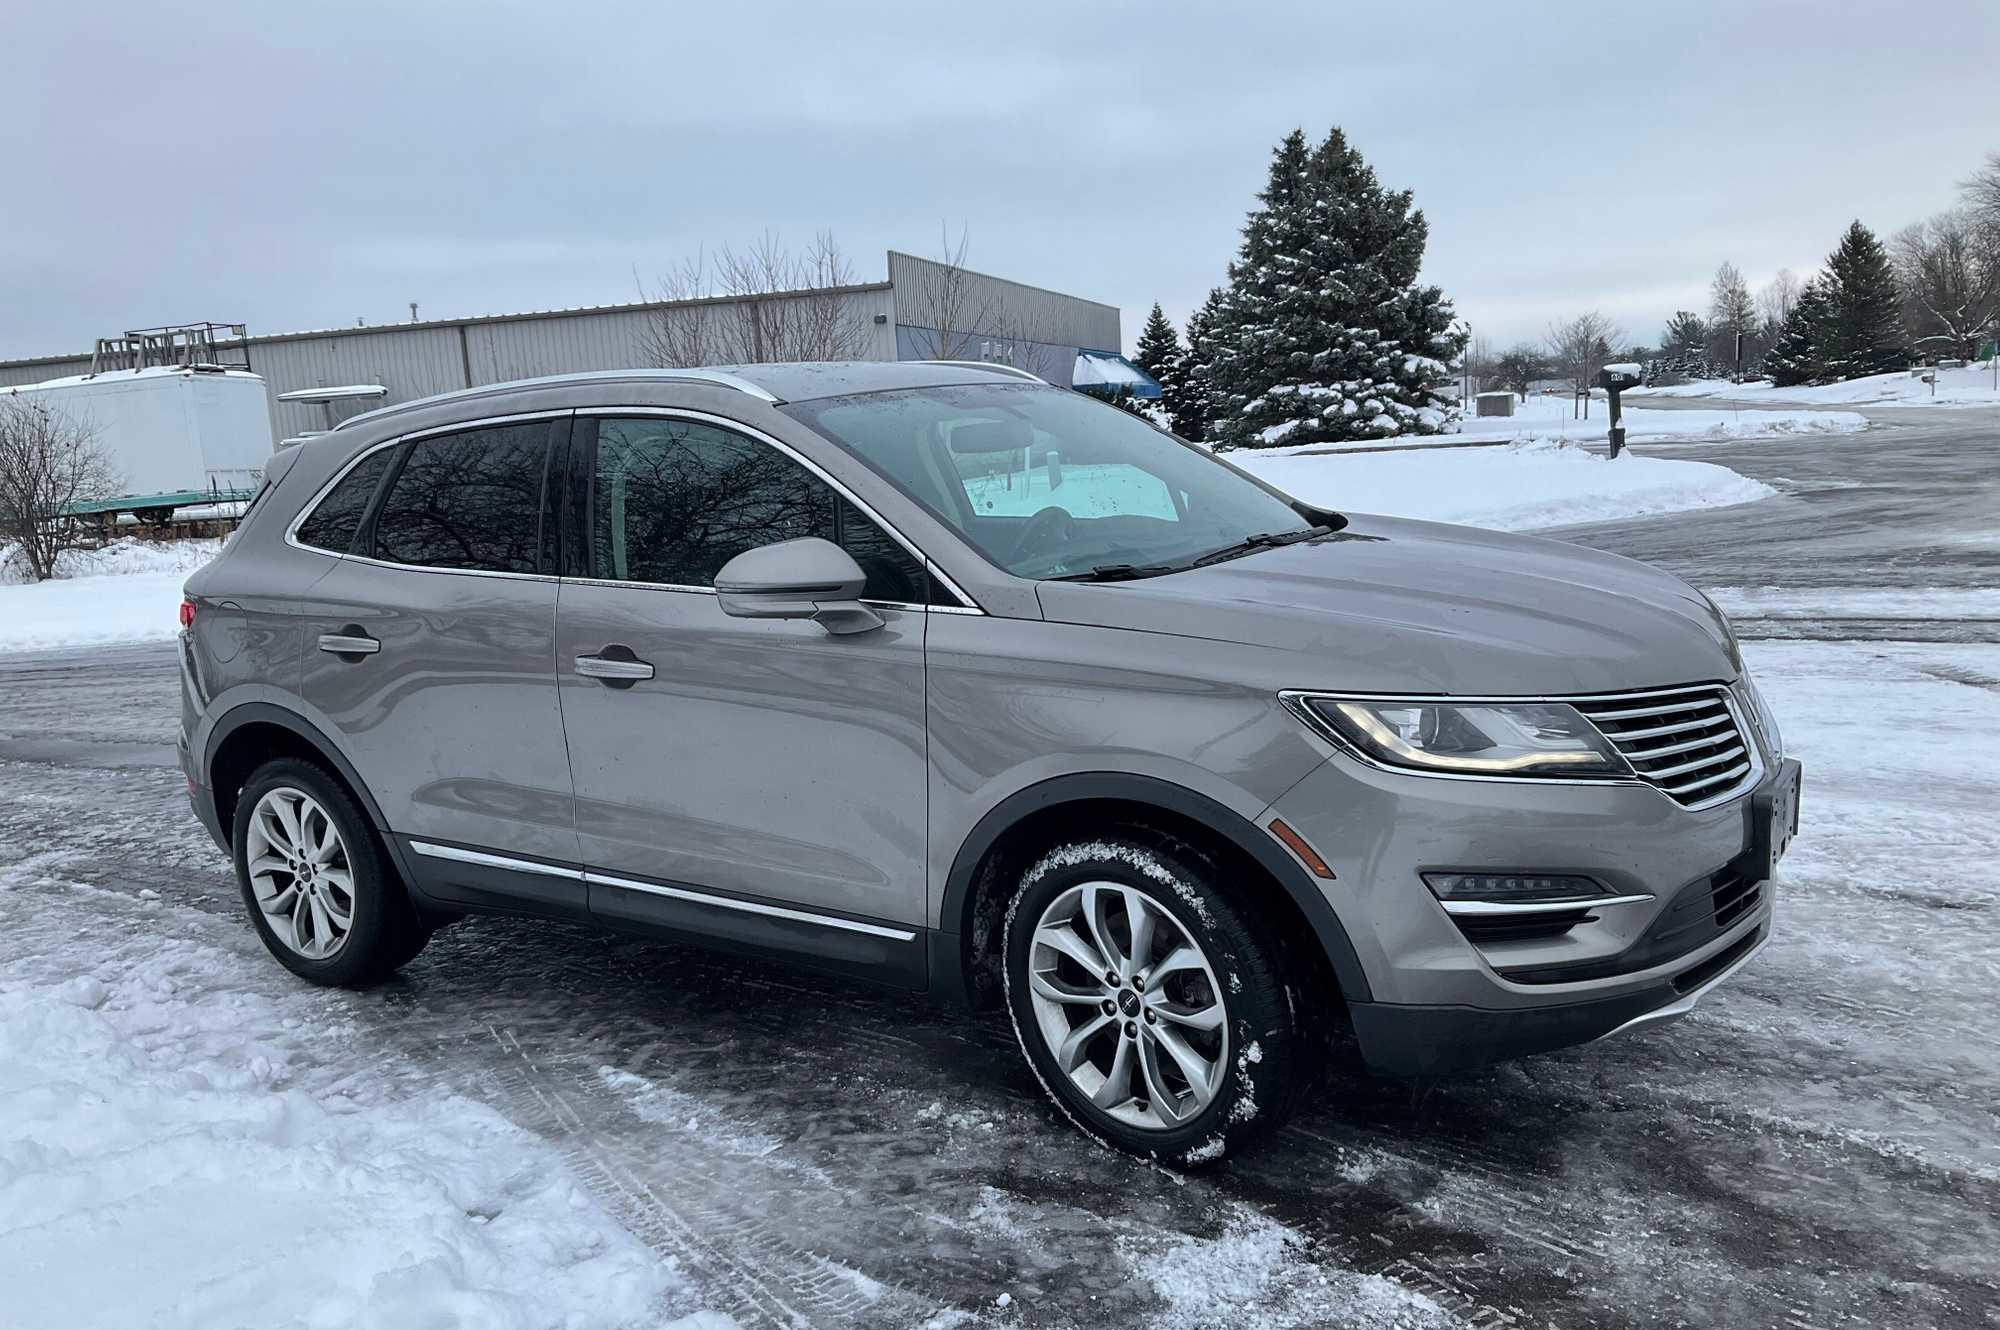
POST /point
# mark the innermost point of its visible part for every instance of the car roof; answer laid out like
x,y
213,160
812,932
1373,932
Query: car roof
x,y
791,381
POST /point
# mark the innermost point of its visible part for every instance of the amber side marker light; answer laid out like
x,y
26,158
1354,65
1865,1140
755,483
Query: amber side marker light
x,y
1297,845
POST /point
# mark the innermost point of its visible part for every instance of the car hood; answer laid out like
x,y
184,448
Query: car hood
x,y
1392,605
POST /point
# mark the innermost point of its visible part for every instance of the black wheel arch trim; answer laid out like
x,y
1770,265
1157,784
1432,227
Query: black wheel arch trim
x,y
948,957
268,713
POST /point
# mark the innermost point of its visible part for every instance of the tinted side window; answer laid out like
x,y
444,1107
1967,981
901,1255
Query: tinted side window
x,y
470,500
672,501
331,526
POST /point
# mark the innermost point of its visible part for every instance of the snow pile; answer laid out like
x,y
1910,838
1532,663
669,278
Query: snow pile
x,y
1254,1276
1970,385
160,1166
129,591
1513,488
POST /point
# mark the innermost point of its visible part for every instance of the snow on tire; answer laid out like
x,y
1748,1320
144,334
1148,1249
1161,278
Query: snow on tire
x,y
1152,1009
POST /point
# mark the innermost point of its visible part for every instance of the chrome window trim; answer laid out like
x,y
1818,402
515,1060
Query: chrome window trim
x,y
319,496
623,584
432,850
966,605
1294,700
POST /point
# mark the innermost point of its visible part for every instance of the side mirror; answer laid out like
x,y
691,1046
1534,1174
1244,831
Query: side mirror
x,y
808,578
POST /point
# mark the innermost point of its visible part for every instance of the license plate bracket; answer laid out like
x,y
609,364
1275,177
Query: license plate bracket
x,y
1774,818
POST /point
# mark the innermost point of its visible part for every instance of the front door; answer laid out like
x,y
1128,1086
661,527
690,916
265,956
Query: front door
x,y
758,781
430,654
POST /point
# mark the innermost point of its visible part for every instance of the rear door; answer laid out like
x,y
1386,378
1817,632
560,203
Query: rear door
x,y
761,781
430,655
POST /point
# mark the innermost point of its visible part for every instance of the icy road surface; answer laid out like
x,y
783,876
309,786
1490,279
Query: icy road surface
x,y
1819,1146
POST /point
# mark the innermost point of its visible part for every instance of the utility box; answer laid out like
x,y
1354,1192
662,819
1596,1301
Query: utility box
x,y
1494,404
175,435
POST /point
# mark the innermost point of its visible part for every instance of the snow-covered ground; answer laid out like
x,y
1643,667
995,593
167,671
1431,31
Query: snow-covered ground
x,y
129,591
159,1165
1903,603
1972,385
1514,487
1545,417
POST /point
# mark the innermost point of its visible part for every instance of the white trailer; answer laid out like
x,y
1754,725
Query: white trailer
x,y
175,435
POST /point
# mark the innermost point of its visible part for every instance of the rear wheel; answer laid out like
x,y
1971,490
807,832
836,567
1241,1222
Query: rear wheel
x,y
319,887
1154,1012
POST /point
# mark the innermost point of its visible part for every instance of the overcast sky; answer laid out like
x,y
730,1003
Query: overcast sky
x,y
301,165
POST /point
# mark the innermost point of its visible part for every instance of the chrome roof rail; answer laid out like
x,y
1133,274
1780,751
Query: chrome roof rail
x,y
715,376
982,364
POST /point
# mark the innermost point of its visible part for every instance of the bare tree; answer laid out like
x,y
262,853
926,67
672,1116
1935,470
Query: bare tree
x,y
1775,301
48,462
1949,274
963,308
1520,365
1982,196
764,303
1581,346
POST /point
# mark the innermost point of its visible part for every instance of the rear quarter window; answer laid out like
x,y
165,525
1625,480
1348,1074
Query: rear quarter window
x,y
334,522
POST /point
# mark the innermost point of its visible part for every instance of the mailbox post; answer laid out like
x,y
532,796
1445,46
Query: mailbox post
x,y
1615,379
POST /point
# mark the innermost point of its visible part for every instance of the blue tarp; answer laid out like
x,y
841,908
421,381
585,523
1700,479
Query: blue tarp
x,y
1111,375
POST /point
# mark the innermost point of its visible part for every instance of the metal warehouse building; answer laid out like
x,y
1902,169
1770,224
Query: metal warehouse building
x,y
925,310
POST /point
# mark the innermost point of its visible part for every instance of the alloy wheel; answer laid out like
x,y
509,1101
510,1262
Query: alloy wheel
x,y
1128,1005
300,873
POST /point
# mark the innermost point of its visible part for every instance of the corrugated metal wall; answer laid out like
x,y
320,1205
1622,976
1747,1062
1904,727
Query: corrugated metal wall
x,y
1008,309
417,360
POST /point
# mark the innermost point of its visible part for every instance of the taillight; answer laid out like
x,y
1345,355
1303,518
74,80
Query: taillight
x,y
187,612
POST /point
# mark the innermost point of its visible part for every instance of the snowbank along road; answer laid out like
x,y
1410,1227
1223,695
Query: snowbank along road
x,y
666,1134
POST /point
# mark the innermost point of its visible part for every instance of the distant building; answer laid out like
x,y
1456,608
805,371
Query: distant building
x,y
925,311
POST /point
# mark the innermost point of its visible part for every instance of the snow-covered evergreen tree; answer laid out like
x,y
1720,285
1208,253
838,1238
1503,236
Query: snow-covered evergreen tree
x,y
1190,399
1798,355
1159,354
1322,333
1864,315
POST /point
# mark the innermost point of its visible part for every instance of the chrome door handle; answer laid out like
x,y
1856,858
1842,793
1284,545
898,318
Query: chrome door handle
x,y
612,668
349,644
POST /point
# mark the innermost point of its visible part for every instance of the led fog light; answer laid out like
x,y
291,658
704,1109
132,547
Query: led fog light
x,y
1514,887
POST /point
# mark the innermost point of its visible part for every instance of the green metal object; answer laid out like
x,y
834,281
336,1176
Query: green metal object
x,y
132,504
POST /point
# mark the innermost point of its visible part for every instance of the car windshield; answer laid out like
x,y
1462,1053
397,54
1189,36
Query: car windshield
x,y
1048,483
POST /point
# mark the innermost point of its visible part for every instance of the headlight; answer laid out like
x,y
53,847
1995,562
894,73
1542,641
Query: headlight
x,y
1472,738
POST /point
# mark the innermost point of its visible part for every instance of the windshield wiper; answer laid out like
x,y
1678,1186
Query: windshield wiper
x,y
1115,572
1263,540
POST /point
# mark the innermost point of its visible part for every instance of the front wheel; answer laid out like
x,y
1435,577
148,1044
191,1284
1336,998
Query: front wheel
x,y
319,887
1155,1012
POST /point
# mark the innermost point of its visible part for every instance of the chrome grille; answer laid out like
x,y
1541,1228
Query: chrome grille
x,y
1686,741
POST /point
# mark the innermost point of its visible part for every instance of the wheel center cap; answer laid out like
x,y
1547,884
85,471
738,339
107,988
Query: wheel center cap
x,y
1128,1002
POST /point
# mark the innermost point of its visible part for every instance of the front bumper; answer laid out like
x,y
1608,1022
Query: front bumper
x,y
1437,1041
1438,1000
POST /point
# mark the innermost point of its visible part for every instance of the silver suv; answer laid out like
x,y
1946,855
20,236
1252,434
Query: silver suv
x,y
938,676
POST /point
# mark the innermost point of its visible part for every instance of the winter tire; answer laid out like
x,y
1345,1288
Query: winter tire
x,y
1150,1007
320,890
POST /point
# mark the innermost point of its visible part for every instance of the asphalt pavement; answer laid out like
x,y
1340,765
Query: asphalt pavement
x,y
1912,502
